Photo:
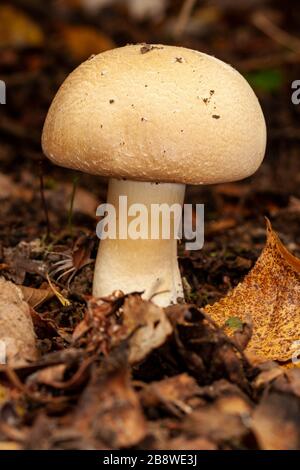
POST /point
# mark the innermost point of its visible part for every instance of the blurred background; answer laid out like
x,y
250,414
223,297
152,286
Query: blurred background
x,y
41,42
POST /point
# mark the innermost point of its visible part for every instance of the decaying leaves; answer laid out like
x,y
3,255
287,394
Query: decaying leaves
x,y
269,297
276,420
148,324
36,297
83,41
143,325
216,425
109,411
16,328
177,395
17,29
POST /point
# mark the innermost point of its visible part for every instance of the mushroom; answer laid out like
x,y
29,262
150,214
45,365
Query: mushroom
x,y
153,118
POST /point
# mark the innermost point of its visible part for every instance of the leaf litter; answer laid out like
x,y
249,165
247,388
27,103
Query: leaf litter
x,y
146,377
268,297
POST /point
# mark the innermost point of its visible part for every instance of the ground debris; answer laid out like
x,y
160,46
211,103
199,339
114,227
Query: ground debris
x,y
18,341
269,299
109,412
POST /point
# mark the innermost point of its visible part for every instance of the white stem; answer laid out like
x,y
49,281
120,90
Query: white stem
x,y
148,265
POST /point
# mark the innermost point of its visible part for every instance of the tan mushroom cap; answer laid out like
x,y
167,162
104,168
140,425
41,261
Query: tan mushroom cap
x,y
156,113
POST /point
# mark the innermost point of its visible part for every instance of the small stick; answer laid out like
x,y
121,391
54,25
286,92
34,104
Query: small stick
x,y
269,61
44,202
183,17
70,215
264,24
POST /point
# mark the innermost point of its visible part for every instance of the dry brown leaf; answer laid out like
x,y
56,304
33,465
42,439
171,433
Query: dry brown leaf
x,y
288,382
109,411
215,425
36,297
234,405
269,296
48,375
18,29
267,376
83,41
19,262
16,328
172,393
149,325
276,422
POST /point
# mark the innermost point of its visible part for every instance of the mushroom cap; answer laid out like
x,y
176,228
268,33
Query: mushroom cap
x,y
156,113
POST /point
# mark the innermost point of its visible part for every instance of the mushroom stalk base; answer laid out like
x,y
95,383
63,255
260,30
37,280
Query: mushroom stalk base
x,y
141,265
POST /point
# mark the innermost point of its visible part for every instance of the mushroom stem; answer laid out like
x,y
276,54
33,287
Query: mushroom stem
x,y
142,264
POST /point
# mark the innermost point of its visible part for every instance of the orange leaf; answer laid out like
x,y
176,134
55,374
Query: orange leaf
x,y
17,29
269,297
83,41
36,297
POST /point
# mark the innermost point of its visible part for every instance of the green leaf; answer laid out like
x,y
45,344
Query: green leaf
x,y
269,80
234,322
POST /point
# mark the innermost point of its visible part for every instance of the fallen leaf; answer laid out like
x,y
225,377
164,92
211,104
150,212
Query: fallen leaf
x,y
16,328
276,422
46,327
149,325
100,328
204,348
84,41
215,425
269,372
36,297
141,324
19,262
17,29
289,382
219,389
172,394
109,411
270,297
234,323
65,302
48,375
234,405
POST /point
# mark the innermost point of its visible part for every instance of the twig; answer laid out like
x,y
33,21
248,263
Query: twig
x,y
14,379
183,17
44,202
70,214
65,302
264,24
269,61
